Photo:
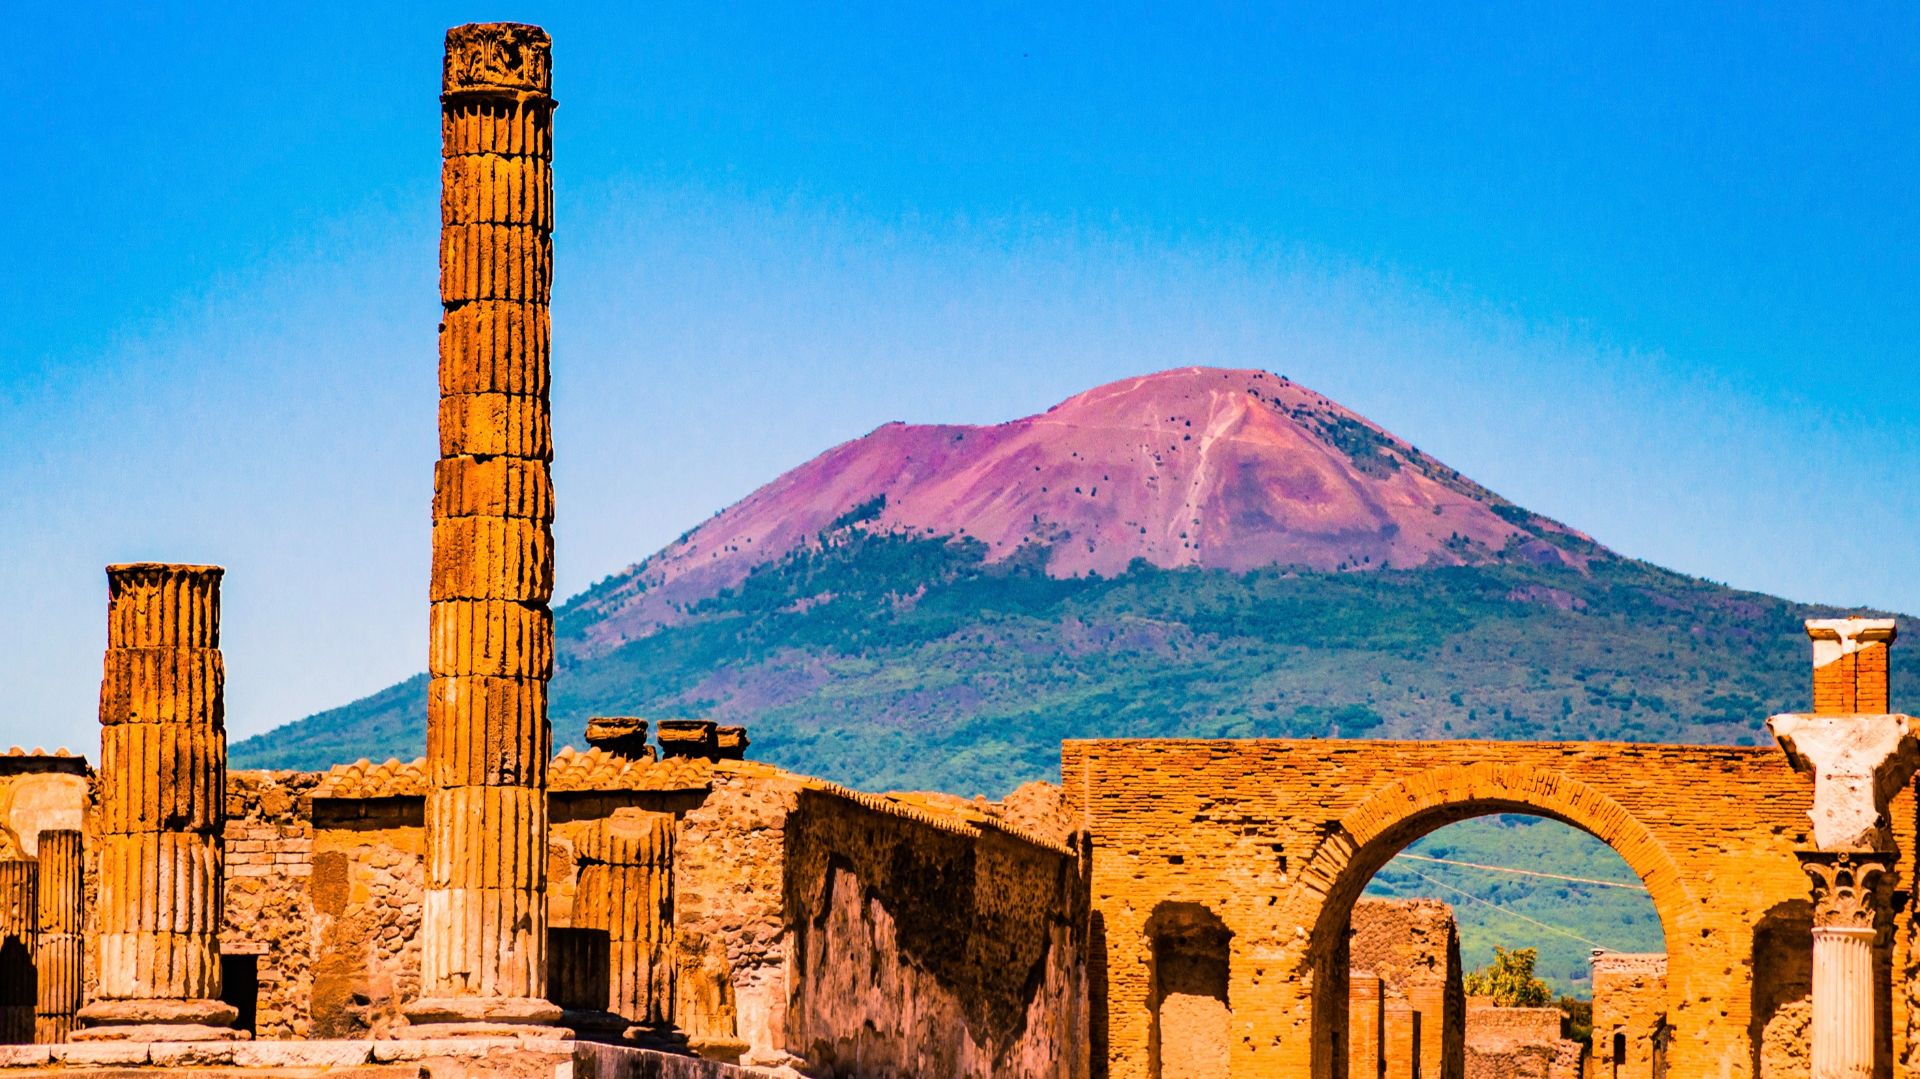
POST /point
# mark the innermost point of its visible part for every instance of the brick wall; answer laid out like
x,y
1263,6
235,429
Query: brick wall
x,y
1413,946
1278,838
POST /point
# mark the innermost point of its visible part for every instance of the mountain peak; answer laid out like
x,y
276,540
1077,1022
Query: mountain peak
x,y
1194,466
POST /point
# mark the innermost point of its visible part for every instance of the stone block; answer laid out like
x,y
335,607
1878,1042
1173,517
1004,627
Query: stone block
x,y
490,637
302,1054
487,731
100,1054
494,127
25,1056
162,605
495,425
495,262
688,738
496,189
162,777
513,57
492,558
192,1054
494,487
623,736
161,685
492,834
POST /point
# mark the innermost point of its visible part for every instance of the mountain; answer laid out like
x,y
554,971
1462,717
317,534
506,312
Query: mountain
x,y
1230,470
1200,552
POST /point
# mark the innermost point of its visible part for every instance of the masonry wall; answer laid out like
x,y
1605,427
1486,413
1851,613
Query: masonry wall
x,y
926,951
1413,947
1278,837
365,892
268,921
1519,1043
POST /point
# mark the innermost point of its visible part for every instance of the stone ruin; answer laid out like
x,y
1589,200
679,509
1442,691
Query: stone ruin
x,y
1177,908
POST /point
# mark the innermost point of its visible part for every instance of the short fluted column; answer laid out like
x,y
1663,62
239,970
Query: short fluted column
x,y
163,767
58,952
19,925
1846,926
484,923
626,890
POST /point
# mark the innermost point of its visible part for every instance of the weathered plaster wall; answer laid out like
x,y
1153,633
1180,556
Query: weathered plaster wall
x,y
927,951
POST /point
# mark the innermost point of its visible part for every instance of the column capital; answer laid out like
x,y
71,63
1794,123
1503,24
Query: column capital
x,y
507,58
1835,637
1858,762
1846,887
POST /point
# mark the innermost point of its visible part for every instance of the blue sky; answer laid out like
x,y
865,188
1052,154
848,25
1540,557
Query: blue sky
x,y
1648,270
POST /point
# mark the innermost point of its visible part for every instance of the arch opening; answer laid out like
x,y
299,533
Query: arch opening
x,y
1367,1027
1192,1014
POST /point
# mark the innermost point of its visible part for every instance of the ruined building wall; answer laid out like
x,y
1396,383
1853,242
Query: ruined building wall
x,y
1630,1017
1412,947
269,914
1520,1043
367,892
924,950
1277,838
730,923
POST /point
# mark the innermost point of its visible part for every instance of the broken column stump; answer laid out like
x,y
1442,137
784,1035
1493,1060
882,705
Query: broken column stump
x,y
163,766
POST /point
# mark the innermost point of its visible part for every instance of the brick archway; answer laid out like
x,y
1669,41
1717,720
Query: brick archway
x,y
1278,837
1394,816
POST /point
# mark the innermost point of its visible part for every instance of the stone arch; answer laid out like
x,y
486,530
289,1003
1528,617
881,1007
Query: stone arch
x,y
1400,812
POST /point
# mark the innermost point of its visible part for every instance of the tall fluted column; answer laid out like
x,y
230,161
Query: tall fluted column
x,y
57,955
485,917
19,925
1846,925
163,772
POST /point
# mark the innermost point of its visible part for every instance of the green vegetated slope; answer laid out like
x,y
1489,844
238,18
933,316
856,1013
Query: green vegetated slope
x,y
891,662
1564,920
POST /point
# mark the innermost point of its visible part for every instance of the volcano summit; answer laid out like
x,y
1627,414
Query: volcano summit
x,y
1199,552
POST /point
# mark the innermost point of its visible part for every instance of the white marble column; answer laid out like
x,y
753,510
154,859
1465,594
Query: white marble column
x,y
1846,926
1858,763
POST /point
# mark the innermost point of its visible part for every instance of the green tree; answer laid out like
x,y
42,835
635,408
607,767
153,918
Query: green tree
x,y
1509,980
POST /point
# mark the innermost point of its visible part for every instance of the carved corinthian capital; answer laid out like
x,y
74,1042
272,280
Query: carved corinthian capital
x,y
1846,887
499,57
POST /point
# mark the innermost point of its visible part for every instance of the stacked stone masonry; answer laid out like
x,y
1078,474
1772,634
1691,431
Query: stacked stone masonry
x,y
58,949
161,811
491,628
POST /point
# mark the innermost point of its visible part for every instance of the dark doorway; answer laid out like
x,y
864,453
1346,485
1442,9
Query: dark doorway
x,y
240,987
